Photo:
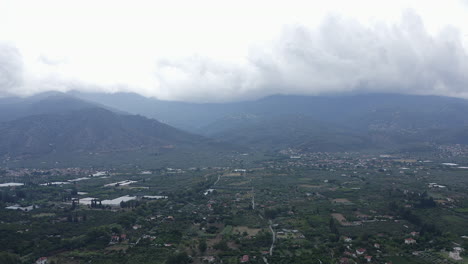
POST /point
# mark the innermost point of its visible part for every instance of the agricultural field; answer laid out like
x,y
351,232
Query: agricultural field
x,y
321,208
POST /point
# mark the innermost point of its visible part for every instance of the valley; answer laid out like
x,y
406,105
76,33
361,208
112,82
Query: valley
x,y
320,207
233,132
87,183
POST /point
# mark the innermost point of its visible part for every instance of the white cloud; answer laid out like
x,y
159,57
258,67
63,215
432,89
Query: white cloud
x,y
216,51
11,69
340,55
344,55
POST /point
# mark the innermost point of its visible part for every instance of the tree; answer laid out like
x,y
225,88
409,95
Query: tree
x,y
222,245
98,237
271,213
8,258
127,220
202,246
333,227
179,258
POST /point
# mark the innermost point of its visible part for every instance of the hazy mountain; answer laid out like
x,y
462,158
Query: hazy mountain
x,y
187,116
46,103
280,132
316,123
84,128
332,122
367,110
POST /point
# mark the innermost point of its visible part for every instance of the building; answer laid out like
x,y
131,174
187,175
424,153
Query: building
x,y
344,261
360,251
209,259
409,241
455,254
41,260
114,239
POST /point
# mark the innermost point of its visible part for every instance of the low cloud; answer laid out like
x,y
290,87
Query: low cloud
x,y
341,55
11,70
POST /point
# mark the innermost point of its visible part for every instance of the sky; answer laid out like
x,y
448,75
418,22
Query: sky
x,y
216,50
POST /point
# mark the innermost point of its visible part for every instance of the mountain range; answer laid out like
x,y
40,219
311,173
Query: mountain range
x,y
317,123
65,127
74,123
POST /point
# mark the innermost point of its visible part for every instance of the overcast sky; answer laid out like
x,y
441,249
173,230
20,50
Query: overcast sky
x,y
234,50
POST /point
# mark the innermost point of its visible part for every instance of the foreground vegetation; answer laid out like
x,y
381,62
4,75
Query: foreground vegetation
x,y
294,207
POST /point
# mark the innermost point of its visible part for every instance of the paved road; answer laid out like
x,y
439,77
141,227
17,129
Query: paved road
x,y
219,177
273,238
253,199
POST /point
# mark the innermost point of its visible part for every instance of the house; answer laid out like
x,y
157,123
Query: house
x,y
376,245
414,233
41,260
148,237
347,239
245,259
368,258
360,251
344,261
409,241
209,259
455,254
363,216
114,239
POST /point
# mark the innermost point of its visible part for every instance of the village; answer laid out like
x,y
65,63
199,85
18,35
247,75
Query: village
x,y
293,208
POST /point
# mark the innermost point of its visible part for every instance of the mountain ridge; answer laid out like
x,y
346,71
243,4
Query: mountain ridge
x,y
312,123
82,128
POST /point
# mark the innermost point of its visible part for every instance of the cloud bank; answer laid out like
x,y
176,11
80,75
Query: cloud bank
x,y
340,54
11,69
